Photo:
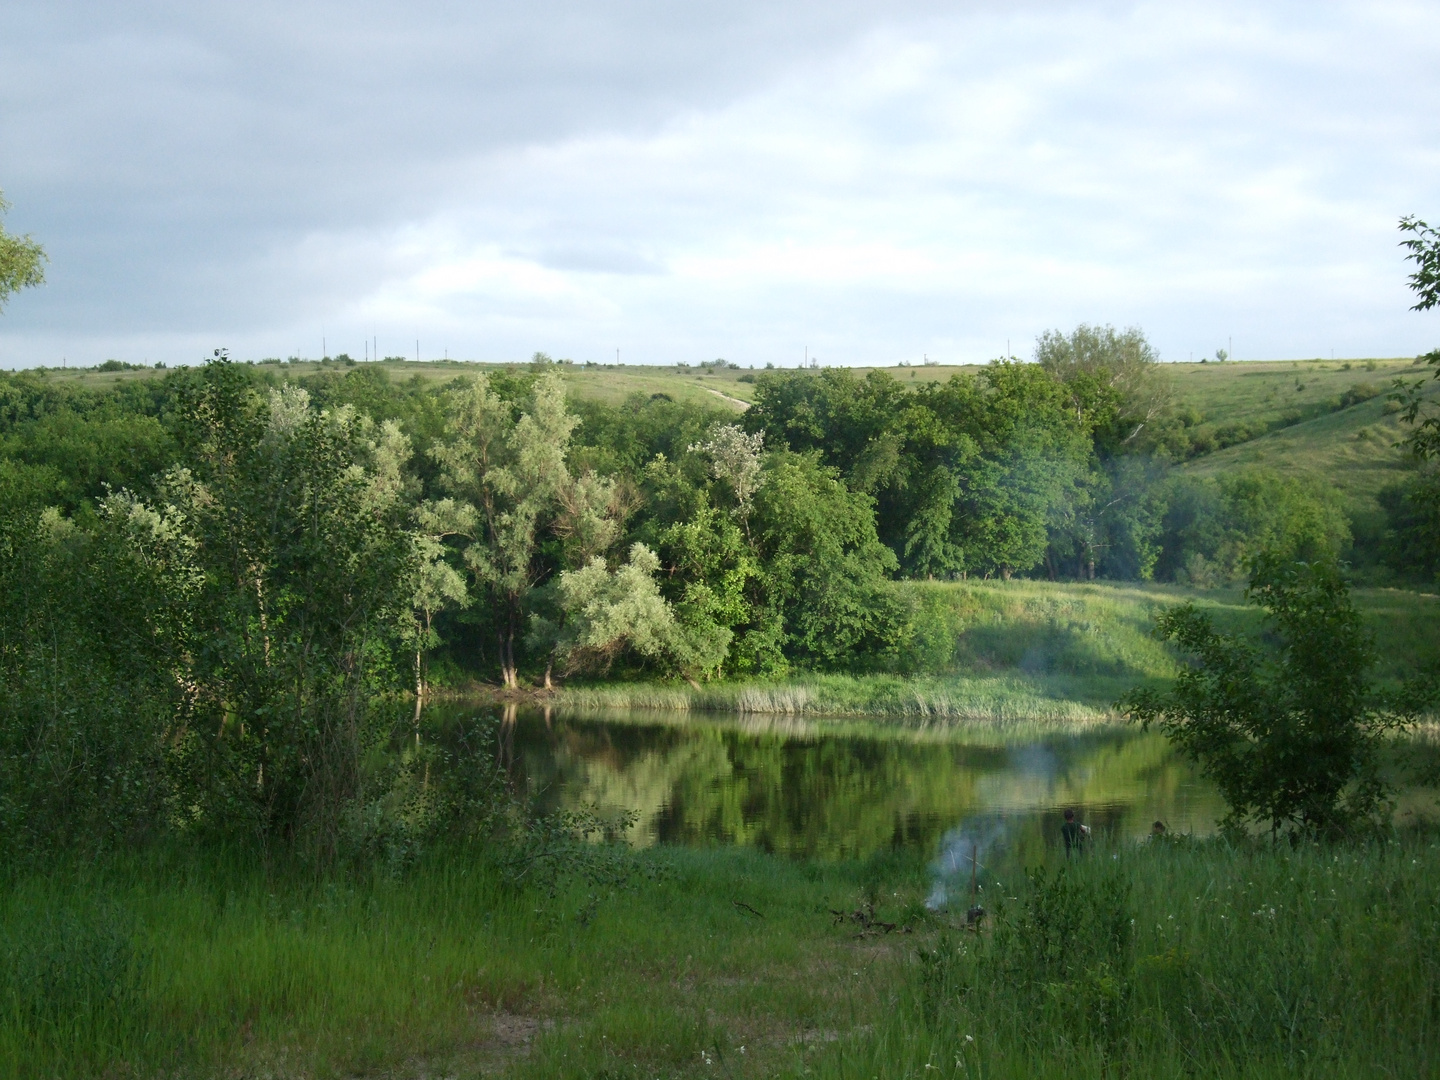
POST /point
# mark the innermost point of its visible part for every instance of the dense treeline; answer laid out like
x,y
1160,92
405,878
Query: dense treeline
x,y
210,575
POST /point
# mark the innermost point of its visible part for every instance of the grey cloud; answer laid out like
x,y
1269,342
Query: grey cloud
x,y
257,171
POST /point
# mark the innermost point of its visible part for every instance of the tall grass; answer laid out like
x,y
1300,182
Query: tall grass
x,y
923,699
1181,960
1166,960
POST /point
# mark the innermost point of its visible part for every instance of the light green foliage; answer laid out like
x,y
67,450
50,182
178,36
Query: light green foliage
x,y
509,488
609,611
438,587
1012,650
735,457
1114,381
22,261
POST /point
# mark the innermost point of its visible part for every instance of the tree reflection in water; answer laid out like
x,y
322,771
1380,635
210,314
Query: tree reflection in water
x,y
844,790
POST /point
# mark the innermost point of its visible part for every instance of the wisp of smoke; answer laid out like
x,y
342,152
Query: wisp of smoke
x,y
981,836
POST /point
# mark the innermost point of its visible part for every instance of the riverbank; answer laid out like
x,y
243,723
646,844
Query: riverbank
x,y
1009,651
918,700
1177,959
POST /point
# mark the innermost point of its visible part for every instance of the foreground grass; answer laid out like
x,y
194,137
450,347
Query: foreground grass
x,y
148,967
1158,960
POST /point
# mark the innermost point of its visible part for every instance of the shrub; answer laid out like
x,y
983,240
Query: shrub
x,y
1291,740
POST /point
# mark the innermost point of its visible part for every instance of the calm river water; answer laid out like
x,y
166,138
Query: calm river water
x,y
837,789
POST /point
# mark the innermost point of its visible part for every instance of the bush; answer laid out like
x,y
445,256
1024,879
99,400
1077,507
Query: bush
x,y
1291,740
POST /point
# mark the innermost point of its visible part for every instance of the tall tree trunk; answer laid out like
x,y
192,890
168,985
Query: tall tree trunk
x,y
507,659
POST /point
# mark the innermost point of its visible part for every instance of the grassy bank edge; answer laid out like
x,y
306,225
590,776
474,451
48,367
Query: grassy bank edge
x,y
926,700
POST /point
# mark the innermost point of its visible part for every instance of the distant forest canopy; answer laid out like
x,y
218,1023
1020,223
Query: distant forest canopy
x,y
561,535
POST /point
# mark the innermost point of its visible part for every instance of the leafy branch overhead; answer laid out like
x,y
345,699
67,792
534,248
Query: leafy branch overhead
x,y
1423,246
22,261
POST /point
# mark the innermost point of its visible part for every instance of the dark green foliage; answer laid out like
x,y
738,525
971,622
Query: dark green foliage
x,y
1412,540
297,564
72,981
965,475
1213,527
86,692
1423,246
1290,740
823,565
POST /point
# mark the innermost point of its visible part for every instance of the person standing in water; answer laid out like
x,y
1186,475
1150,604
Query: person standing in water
x,y
1074,834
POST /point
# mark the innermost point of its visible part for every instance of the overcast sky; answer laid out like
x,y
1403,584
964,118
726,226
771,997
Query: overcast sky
x,y
685,181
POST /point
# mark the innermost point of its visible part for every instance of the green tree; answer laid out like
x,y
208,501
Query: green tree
x,y
295,518
1113,379
508,490
1290,740
437,587
824,567
964,475
1424,250
89,698
1214,526
609,612
22,261
710,572
1412,540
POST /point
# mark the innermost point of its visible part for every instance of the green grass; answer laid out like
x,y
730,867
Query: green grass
x,y
1021,651
1253,962
1351,449
923,700
1180,960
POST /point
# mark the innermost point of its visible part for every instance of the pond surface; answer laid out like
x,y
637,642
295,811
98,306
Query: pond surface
x,y
832,789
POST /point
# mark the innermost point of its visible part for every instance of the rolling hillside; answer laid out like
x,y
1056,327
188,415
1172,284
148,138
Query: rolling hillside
x,y
1330,419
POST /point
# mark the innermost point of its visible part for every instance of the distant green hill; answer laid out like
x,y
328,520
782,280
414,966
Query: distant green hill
x,y
1333,421
1330,419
